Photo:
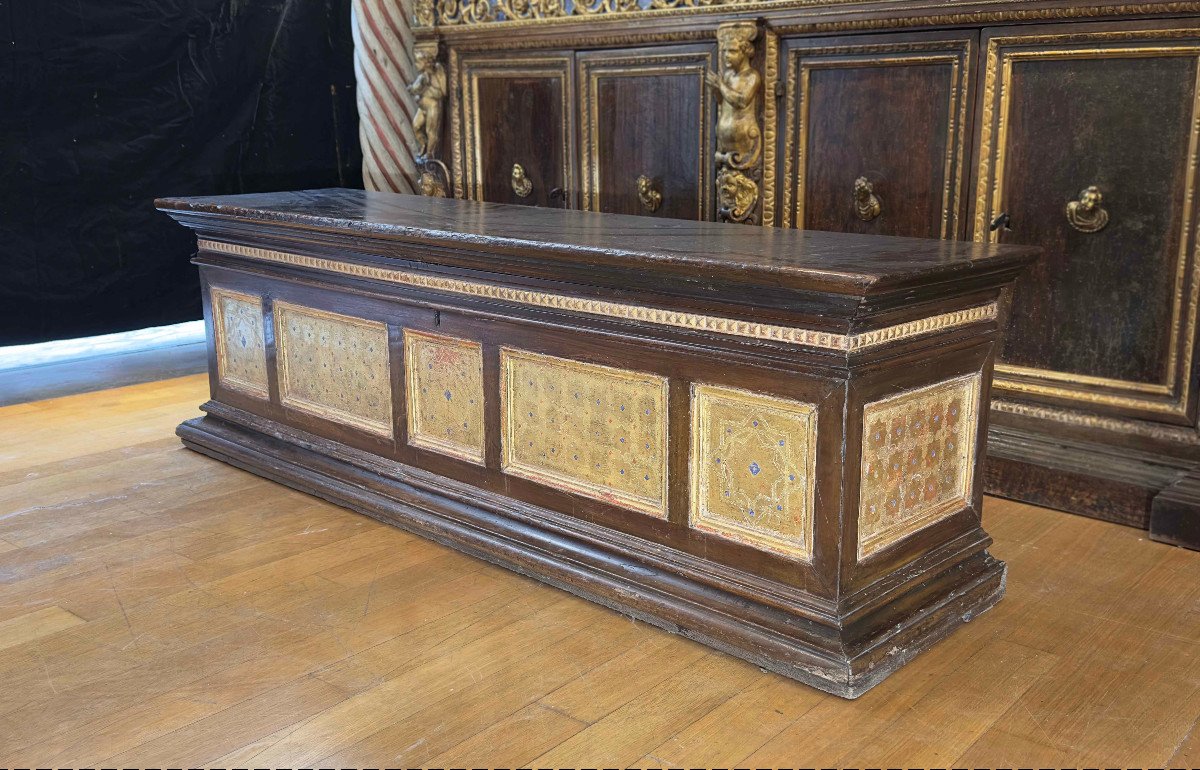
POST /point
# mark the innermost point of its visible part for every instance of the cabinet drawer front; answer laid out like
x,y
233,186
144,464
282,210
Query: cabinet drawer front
x,y
1106,320
893,111
647,114
517,113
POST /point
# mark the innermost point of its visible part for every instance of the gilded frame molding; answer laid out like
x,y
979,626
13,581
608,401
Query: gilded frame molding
x,y
216,294
426,440
801,61
791,335
1171,395
698,487
594,68
882,539
581,485
379,428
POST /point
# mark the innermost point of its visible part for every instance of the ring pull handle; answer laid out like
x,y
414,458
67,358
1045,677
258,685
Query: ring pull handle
x,y
649,197
866,203
1086,214
521,184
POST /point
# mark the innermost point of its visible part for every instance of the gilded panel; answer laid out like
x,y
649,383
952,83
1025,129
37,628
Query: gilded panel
x,y
445,394
753,469
918,451
587,429
241,349
334,366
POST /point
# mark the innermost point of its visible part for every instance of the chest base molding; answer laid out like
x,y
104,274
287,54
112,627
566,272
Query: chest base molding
x,y
843,652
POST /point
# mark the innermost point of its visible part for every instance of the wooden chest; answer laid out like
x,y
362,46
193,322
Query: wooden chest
x,y
769,441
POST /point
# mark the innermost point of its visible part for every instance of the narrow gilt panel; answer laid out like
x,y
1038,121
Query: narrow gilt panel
x,y
753,469
238,338
445,394
918,457
588,429
334,366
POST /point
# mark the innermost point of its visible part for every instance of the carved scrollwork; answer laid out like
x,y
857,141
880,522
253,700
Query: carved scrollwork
x,y
1086,214
650,198
866,203
738,196
739,138
434,180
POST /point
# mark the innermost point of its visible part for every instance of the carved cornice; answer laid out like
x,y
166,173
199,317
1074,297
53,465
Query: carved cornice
x,y
464,14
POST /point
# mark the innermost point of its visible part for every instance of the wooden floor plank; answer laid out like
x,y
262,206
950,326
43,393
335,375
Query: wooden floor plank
x,y
160,608
26,628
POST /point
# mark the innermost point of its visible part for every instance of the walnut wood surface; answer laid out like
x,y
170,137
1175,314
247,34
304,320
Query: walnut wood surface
x,y
1098,304
643,249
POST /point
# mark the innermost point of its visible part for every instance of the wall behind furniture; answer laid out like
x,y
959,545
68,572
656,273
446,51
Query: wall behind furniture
x,y
106,105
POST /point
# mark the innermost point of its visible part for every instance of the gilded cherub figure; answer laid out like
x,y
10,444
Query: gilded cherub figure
x,y
430,89
739,139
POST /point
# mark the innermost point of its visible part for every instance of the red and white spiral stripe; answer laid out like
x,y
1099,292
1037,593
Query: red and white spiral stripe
x,y
383,65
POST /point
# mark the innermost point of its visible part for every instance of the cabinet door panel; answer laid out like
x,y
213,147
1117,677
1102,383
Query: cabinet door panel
x,y
517,111
893,110
647,113
1106,319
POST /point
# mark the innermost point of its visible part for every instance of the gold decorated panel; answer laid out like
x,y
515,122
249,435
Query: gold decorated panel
x,y
334,366
753,469
238,338
592,430
444,381
917,466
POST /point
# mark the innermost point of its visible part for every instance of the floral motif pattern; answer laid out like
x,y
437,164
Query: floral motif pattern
x,y
917,460
334,366
753,469
445,394
238,333
587,429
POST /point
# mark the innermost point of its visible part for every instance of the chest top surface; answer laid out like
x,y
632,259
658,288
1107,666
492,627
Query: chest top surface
x,y
650,249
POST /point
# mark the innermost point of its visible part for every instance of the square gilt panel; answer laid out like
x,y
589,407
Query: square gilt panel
x,y
918,452
587,429
753,469
238,338
334,366
445,394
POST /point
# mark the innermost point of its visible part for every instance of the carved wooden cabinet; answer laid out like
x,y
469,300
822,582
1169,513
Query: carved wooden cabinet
x,y
875,133
518,115
1073,127
645,121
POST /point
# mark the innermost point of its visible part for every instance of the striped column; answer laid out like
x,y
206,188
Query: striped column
x,y
383,65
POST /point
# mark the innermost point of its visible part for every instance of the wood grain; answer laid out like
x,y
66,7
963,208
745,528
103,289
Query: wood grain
x,y
202,639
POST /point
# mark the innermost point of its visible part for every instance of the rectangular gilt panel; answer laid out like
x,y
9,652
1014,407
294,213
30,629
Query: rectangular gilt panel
x,y
238,337
753,469
445,394
587,429
917,460
334,366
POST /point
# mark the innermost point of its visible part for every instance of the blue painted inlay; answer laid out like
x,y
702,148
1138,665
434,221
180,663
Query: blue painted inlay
x,y
754,469
447,394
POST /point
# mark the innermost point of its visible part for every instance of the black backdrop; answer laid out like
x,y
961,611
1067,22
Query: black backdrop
x,y
108,104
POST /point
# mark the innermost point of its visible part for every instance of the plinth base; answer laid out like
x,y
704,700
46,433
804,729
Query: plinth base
x,y
743,615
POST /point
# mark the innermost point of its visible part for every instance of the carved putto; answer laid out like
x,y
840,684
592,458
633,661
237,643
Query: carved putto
x,y
739,140
430,88
739,137
1086,214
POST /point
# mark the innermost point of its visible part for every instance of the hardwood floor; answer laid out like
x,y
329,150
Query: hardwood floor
x,y
158,607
